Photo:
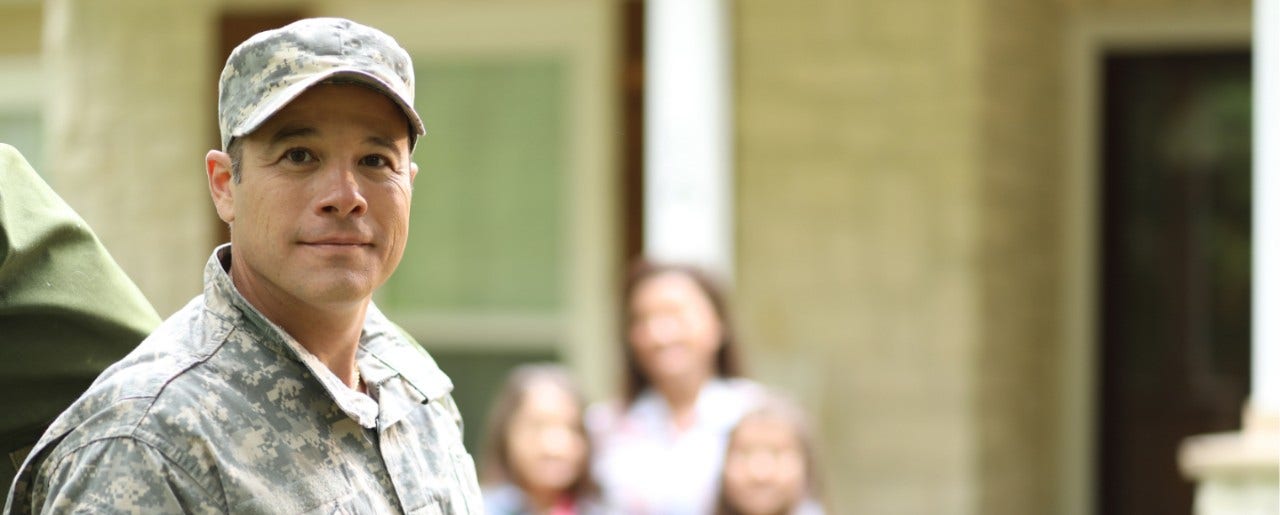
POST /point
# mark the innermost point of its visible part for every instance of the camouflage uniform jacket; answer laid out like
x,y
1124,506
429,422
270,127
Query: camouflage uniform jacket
x,y
220,411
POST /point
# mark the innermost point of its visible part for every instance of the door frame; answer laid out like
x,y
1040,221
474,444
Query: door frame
x,y
1090,36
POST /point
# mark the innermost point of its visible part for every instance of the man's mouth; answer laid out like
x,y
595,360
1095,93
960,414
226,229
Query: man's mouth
x,y
338,242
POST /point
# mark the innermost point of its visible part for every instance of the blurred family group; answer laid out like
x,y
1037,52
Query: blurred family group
x,y
687,435
281,388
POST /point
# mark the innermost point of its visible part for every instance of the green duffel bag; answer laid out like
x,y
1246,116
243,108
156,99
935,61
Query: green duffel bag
x,y
67,310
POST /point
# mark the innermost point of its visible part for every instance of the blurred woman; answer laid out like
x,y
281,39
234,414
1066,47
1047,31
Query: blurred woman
x,y
659,448
769,467
537,451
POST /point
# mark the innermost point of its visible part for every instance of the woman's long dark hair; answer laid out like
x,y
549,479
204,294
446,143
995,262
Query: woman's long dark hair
x,y
727,361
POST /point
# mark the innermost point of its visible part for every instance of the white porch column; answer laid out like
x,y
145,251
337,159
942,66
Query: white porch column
x,y
688,185
1266,207
1239,473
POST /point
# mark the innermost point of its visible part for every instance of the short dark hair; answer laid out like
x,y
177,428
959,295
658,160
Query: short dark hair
x,y
727,360
235,149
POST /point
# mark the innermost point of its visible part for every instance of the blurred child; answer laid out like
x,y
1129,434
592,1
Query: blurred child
x,y
769,466
537,452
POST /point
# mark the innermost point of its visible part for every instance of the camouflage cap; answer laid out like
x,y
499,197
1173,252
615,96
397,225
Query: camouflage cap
x,y
273,67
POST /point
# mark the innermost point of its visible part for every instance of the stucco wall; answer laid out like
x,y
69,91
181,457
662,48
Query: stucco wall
x,y
1020,193
20,24
902,251
127,125
857,172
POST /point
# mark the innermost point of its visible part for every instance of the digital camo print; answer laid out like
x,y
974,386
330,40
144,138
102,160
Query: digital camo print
x,y
220,411
272,68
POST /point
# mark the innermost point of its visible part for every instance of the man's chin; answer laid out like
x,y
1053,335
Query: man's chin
x,y
339,291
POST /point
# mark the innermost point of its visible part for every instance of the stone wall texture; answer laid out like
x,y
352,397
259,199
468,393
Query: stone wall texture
x,y
900,262
858,215
127,137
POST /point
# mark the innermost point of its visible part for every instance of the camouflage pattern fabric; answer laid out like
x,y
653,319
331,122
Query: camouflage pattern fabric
x,y
273,67
220,411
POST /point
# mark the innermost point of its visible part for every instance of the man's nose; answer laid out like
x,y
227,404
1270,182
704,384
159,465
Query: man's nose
x,y
341,193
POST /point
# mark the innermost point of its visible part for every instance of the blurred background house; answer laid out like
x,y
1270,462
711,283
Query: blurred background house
x,y
999,248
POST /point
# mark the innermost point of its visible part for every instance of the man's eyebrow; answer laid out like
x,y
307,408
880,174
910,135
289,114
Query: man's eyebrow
x,y
386,143
292,131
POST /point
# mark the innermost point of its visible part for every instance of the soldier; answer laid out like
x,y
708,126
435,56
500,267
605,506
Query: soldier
x,y
282,388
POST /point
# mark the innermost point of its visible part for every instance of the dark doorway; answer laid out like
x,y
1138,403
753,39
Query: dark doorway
x,y
1175,268
631,150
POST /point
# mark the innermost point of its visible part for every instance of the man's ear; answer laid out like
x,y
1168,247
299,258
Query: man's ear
x,y
218,165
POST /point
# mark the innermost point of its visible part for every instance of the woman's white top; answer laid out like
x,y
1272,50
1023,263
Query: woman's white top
x,y
646,466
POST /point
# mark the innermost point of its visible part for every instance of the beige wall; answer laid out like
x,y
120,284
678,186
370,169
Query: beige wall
x,y
126,136
1020,197
903,259
20,23
858,212
1150,6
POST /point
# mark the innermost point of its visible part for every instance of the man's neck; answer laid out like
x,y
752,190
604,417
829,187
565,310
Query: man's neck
x,y
332,336
331,333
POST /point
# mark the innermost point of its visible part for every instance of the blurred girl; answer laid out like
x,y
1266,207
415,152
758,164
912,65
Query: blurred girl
x,y
660,447
769,467
537,450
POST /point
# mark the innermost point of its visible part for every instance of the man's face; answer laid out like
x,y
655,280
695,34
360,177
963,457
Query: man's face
x,y
321,212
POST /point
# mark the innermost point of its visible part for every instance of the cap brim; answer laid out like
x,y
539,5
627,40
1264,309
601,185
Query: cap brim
x,y
281,99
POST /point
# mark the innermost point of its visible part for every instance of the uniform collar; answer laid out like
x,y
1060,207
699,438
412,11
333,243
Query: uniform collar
x,y
386,355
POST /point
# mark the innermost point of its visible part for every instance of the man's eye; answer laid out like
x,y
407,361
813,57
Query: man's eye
x,y
298,155
373,160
